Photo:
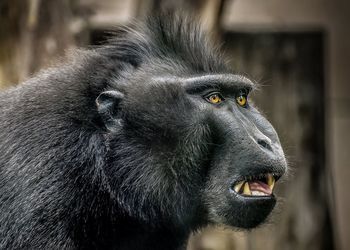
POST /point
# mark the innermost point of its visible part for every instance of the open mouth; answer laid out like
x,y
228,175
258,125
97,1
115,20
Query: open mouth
x,y
261,185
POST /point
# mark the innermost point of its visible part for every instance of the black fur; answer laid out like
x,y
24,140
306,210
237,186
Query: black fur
x,y
118,148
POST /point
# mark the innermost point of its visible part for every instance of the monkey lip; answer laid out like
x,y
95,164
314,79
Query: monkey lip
x,y
256,186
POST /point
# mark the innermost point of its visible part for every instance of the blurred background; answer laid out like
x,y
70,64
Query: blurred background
x,y
297,50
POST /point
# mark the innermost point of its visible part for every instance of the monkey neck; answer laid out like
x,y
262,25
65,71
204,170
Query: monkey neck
x,y
125,234
152,240
114,230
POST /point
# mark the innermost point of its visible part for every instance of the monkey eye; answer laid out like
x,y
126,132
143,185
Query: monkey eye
x,y
242,100
215,98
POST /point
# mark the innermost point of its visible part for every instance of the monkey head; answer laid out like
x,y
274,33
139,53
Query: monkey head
x,y
186,147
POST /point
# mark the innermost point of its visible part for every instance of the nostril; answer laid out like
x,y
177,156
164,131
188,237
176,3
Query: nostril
x,y
265,144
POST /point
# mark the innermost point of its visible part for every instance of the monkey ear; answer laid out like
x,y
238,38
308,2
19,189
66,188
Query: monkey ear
x,y
107,106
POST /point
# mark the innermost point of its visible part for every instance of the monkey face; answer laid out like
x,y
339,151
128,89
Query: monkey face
x,y
197,151
247,159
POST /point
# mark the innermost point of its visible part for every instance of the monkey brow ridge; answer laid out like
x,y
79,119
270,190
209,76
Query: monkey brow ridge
x,y
219,81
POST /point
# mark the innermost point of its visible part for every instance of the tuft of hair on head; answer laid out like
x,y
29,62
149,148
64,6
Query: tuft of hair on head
x,y
167,37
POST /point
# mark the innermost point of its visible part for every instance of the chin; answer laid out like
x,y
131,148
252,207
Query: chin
x,y
247,203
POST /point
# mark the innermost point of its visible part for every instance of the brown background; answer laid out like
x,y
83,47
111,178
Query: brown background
x,y
297,50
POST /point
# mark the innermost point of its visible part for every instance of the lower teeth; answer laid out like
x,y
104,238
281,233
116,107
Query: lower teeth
x,y
258,193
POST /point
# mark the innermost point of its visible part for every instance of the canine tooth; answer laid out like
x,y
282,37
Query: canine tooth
x,y
246,189
270,181
238,186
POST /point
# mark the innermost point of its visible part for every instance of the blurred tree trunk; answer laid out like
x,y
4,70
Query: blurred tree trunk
x,y
32,33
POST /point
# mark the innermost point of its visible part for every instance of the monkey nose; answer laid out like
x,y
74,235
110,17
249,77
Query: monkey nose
x,y
264,143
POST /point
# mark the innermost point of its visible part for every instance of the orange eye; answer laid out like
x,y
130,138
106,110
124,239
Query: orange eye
x,y
215,98
241,100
